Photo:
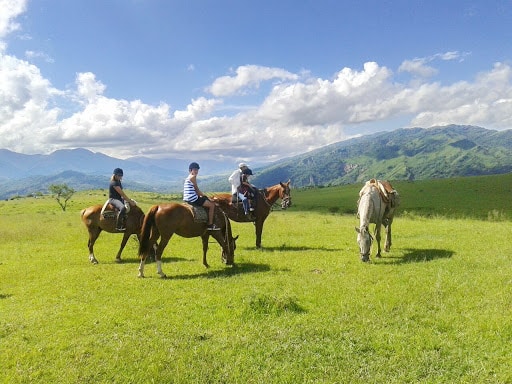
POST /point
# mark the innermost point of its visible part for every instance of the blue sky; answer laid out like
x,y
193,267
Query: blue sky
x,y
245,80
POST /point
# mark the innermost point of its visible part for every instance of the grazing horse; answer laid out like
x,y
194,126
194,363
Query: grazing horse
x,y
164,220
265,200
96,222
377,203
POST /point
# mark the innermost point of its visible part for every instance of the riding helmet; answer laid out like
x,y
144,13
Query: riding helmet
x,y
193,166
118,172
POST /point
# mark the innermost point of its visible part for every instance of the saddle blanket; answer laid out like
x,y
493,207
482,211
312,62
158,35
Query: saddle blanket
x,y
200,214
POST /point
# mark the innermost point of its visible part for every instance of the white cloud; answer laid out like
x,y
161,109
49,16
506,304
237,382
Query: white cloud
x,y
419,67
299,113
10,10
38,55
247,76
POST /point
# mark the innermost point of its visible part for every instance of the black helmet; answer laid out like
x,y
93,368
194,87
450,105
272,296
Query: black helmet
x,y
247,171
118,172
193,166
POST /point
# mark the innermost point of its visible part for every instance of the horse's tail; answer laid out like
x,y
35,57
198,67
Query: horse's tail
x,y
148,223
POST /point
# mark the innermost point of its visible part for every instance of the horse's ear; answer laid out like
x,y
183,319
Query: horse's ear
x,y
236,238
358,230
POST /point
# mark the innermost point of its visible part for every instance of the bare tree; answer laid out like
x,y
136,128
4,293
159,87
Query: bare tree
x,y
62,193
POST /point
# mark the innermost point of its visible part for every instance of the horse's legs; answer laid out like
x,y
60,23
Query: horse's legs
x,y
126,236
205,238
377,238
159,251
387,244
259,229
93,236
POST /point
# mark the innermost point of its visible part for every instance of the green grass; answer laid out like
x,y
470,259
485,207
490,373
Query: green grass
x,y
436,309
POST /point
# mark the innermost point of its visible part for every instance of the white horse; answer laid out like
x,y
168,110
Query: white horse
x,y
377,203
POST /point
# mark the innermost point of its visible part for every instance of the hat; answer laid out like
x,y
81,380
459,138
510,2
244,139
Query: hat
x,y
241,165
118,172
247,171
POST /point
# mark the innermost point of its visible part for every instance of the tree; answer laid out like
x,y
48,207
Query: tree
x,y
62,193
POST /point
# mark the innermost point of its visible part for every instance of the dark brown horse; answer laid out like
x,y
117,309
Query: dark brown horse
x,y
164,220
96,223
266,199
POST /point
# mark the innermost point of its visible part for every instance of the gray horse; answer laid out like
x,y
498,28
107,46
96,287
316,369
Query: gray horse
x,y
377,203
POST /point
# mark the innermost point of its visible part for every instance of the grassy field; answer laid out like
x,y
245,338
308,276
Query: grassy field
x,y
436,309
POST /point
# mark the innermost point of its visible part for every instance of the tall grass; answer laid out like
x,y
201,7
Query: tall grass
x,y
436,309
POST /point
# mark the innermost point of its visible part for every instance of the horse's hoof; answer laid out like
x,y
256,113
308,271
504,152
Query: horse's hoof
x,y
141,276
118,260
93,260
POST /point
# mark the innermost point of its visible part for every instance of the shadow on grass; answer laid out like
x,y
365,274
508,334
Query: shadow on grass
x,y
290,248
421,255
237,269
151,260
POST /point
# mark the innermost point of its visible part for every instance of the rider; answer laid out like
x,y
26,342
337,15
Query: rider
x,y
118,198
236,181
193,196
247,189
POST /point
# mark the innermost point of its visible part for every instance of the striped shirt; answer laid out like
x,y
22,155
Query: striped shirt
x,y
189,192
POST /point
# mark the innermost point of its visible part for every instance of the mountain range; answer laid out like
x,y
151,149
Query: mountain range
x,y
402,154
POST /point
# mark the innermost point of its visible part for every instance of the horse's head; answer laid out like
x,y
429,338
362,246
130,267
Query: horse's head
x,y
284,194
228,241
364,239
228,254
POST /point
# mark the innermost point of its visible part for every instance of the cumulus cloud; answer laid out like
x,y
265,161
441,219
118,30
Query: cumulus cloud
x,y
298,113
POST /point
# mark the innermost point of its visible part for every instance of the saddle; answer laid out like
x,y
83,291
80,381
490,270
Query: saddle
x,y
200,214
108,211
387,192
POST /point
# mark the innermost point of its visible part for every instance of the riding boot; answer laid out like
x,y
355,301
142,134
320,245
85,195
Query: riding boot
x,y
120,222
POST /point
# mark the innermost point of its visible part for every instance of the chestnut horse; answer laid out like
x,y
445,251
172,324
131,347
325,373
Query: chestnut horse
x,y
164,220
377,203
266,198
96,223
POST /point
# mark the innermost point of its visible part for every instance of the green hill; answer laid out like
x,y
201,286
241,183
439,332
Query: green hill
x,y
404,154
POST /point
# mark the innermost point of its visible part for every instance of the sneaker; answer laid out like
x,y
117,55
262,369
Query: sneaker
x,y
121,229
212,227
251,209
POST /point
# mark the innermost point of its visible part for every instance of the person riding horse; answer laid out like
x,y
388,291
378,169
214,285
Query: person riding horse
x,y
119,199
247,189
236,183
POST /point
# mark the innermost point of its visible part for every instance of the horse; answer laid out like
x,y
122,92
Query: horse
x,y
164,220
96,222
265,200
377,203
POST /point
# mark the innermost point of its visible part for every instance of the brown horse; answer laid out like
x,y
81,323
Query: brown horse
x,y
264,203
96,223
164,220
